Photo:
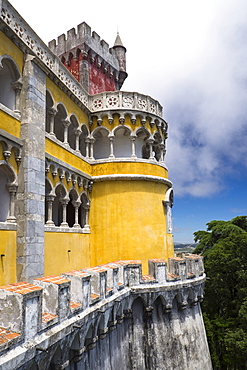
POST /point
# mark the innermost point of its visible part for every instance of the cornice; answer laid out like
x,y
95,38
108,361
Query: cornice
x,y
132,177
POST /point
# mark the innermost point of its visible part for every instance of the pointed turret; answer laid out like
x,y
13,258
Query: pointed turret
x,y
118,42
121,56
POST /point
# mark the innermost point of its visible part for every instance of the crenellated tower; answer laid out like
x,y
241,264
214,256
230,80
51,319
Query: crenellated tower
x,y
90,60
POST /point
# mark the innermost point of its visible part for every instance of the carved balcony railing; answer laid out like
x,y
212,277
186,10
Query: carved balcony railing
x,y
127,101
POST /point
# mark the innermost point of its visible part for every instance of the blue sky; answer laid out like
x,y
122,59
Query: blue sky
x,y
191,56
193,213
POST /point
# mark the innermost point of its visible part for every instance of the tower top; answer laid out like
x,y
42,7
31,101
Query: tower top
x,y
118,42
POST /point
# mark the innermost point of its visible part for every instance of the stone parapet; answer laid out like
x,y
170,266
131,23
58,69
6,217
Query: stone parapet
x,y
29,310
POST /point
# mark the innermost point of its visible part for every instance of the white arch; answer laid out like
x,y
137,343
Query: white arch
x,y
10,82
122,126
74,125
102,143
16,75
100,128
48,93
10,172
58,184
122,142
72,190
7,192
142,149
61,115
51,192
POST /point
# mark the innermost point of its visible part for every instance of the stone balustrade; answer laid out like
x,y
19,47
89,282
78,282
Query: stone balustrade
x,y
124,101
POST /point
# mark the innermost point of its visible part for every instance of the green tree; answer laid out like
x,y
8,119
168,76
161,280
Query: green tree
x,y
224,247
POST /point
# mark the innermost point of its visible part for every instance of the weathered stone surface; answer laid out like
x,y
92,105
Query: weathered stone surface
x,y
31,192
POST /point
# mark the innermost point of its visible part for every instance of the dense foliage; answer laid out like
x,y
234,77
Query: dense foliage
x,y
224,247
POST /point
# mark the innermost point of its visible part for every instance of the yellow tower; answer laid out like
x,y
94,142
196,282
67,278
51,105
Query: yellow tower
x,y
83,175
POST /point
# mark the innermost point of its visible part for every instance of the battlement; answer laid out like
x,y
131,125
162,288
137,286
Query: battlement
x,y
29,309
86,40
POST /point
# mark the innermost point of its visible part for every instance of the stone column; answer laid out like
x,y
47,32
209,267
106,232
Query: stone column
x,y
76,206
92,141
150,143
17,85
87,142
66,124
162,152
133,146
52,112
77,132
86,227
50,200
12,190
64,203
30,210
111,138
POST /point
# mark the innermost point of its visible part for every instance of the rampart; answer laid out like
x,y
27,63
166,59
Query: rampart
x,y
96,317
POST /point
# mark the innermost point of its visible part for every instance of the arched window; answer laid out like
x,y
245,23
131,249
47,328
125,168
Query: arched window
x,y
84,211
122,143
7,193
72,132
142,146
49,199
10,83
60,117
82,140
50,113
72,209
57,207
4,196
102,143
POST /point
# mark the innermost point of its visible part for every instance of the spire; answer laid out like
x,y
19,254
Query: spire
x,y
118,42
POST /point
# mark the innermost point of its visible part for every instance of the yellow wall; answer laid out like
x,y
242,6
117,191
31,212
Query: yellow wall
x,y
10,124
57,257
9,48
64,155
8,262
129,168
128,221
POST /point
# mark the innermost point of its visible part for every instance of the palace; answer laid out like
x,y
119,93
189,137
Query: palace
x,y
83,182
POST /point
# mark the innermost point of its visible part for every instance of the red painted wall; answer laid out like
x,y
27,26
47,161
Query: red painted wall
x,y
100,81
